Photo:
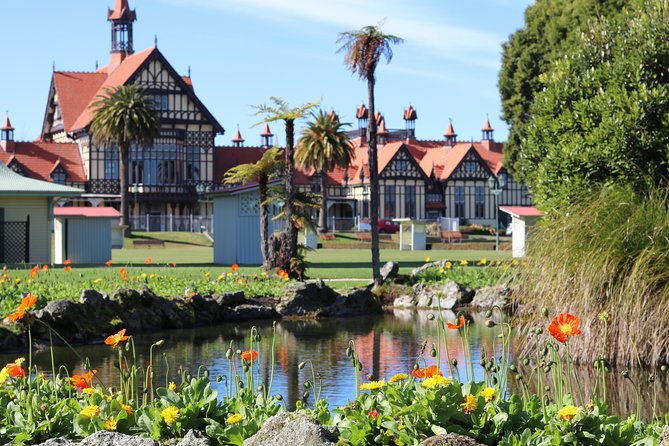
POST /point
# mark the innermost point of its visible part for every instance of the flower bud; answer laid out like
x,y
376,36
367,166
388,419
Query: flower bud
x,y
490,323
301,365
305,395
219,378
483,362
430,316
538,331
519,377
513,368
160,343
664,368
259,388
278,397
433,352
526,362
206,374
493,380
454,361
625,374
307,384
545,312
238,352
488,314
228,353
349,351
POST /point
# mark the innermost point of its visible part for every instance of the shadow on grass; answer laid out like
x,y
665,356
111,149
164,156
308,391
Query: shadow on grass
x,y
166,241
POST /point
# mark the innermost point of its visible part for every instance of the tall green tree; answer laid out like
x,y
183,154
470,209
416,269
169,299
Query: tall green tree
x,y
324,146
279,110
363,50
266,168
603,117
552,29
124,116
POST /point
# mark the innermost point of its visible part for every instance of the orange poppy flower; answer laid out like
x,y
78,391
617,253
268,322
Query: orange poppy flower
x,y
234,267
427,372
281,273
15,370
174,264
148,260
33,271
68,268
114,339
67,262
564,326
25,304
83,381
45,268
460,324
249,355
108,263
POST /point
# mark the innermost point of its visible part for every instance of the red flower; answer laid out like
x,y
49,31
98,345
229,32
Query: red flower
x,y
148,260
45,268
234,267
174,264
249,355
15,370
460,324
124,274
67,262
564,326
33,271
68,268
108,263
26,303
114,339
427,373
83,381
374,414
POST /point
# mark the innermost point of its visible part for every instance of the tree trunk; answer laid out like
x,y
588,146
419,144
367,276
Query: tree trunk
x,y
291,227
323,217
124,155
373,182
264,222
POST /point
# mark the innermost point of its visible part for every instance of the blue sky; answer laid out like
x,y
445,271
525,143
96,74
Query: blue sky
x,y
241,52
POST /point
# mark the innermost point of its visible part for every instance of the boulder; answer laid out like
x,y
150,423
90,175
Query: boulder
x,y
429,265
450,440
60,441
194,438
247,312
445,295
307,299
293,429
126,297
664,440
491,296
107,438
389,271
207,309
230,299
9,340
357,302
405,301
91,297
66,316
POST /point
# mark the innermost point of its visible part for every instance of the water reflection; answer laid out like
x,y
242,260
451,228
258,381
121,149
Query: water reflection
x,y
386,345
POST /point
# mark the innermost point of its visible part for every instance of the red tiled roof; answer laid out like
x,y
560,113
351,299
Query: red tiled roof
x,y
121,10
238,137
39,159
7,125
450,131
266,131
116,78
226,158
90,212
75,91
522,211
487,125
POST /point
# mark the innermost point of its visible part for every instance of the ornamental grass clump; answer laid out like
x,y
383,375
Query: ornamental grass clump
x,y
605,256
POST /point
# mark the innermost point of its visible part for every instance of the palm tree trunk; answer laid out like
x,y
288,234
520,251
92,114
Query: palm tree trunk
x,y
374,183
323,217
291,228
124,152
264,222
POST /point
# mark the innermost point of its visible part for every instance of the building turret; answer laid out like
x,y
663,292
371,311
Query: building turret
x,y
362,114
237,140
121,18
7,136
382,132
410,117
487,131
267,137
450,135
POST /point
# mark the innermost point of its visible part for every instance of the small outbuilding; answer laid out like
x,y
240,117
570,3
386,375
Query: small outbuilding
x,y
522,219
413,234
26,216
84,234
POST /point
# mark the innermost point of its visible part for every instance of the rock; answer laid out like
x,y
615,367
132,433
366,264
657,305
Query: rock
x,y
450,440
230,299
247,312
310,298
91,297
445,295
491,296
126,297
194,438
66,316
107,438
9,340
61,441
358,302
664,440
389,271
293,429
207,309
437,264
405,301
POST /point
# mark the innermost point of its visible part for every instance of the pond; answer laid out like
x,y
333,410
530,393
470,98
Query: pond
x,y
387,344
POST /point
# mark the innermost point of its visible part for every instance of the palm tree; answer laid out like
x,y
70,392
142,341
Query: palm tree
x,y
281,111
363,50
124,116
266,168
323,146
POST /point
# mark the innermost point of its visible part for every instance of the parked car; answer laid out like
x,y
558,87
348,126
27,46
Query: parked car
x,y
388,227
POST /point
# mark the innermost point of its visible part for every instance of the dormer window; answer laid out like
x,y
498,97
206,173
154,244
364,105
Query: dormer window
x,y
59,176
16,167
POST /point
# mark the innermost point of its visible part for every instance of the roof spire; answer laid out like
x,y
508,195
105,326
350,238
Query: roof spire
x,y
121,18
266,136
487,130
189,76
155,40
53,66
237,140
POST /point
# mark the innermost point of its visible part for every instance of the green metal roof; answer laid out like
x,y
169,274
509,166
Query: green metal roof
x,y
13,184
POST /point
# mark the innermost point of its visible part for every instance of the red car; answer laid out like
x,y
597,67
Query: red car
x,y
388,227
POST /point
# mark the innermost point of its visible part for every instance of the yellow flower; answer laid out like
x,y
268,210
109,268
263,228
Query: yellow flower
x,y
109,398
153,276
143,275
514,262
441,270
427,259
19,361
488,393
373,385
568,412
4,374
436,380
482,262
228,274
470,404
98,280
18,280
89,390
220,277
207,274
448,265
128,409
464,263
398,377
170,415
91,411
172,386
263,274
234,418
110,424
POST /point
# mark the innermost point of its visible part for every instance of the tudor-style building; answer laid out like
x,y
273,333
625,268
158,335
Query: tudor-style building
x,y
418,179
167,179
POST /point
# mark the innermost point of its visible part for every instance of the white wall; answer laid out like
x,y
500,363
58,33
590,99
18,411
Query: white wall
x,y
17,209
89,240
